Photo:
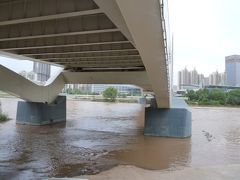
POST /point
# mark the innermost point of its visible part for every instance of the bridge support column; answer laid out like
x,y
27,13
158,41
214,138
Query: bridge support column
x,y
34,113
173,122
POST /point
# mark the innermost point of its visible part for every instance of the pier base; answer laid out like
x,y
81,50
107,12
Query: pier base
x,y
173,122
33,113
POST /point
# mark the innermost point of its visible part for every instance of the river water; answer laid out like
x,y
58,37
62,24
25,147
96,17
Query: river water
x,y
98,136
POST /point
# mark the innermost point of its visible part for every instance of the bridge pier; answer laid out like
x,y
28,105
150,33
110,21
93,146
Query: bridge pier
x,y
169,122
34,113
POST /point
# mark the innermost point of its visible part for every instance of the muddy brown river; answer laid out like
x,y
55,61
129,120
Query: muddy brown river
x,y
98,136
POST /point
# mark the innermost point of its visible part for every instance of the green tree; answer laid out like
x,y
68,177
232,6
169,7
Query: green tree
x,y
218,96
69,91
76,91
233,97
203,95
110,94
191,95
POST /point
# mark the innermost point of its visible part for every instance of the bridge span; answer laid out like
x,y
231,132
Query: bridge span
x,y
95,41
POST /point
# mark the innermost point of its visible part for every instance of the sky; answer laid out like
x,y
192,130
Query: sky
x,y
204,32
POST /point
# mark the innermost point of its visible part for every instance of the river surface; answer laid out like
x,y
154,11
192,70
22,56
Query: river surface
x,y
98,136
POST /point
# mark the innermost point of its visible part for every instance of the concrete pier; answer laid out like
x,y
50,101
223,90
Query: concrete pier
x,y
33,113
169,122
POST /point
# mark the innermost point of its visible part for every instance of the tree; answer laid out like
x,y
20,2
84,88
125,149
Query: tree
x,y
191,95
217,96
233,97
203,95
110,94
76,91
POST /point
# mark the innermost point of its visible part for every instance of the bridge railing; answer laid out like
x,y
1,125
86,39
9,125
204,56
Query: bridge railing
x,y
167,42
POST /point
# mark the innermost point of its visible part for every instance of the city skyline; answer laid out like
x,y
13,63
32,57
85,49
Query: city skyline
x,y
192,79
229,77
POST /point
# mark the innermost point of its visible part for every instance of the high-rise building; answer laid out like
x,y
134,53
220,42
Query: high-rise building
x,y
215,78
189,78
194,78
183,78
206,81
232,67
42,70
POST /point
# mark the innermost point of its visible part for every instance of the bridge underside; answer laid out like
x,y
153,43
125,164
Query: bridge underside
x,y
88,36
95,41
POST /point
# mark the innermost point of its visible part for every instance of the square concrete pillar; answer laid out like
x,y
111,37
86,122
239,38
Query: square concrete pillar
x,y
33,113
172,122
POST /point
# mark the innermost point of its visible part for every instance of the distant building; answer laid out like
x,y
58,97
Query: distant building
x,y
194,77
192,80
189,79
232,67
23,73
206,81
99,88
121,88
84,88
29,75
32,76
217,79
42,70
183,78
223,88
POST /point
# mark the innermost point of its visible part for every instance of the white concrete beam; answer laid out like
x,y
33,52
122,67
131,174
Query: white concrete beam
x,y
59,34
17,85
111,9
138,78
98,61
103,64
63,45
143,18
89,57
79,52
50,17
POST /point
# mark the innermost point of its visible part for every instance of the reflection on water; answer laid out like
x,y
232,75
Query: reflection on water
x,y
98,136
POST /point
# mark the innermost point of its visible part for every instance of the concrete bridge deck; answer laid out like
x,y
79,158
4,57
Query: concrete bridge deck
x,y
95,41
89,36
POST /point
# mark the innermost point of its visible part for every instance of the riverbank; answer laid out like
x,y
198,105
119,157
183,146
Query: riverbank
x,y
213,106
229,172
94,98
100,98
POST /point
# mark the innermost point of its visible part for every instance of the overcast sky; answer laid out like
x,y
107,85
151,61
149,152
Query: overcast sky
x,y
205,31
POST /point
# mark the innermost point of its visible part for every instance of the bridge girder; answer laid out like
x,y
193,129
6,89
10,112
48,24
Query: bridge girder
x,y
90,35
